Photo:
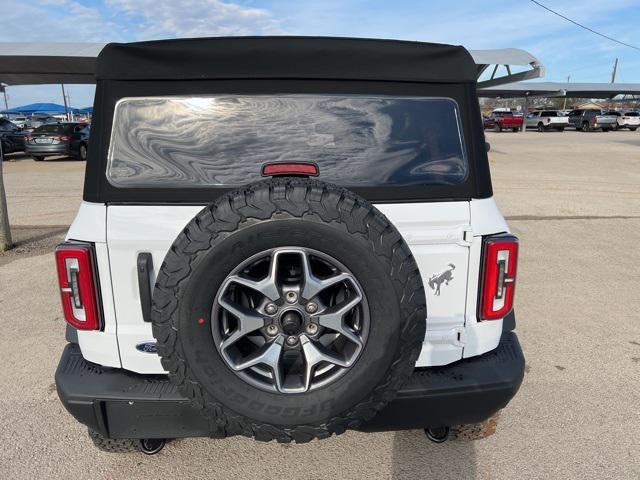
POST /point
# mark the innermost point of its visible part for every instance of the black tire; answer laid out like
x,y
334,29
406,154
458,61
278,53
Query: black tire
x,y
289,212
633,129
497,128
560,129
541,127
82,152
111,445
516,129
37,158
586,126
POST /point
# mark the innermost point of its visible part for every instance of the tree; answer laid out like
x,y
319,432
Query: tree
x,y
5,231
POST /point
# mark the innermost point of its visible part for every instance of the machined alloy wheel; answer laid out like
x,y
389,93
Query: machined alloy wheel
x,y
290,320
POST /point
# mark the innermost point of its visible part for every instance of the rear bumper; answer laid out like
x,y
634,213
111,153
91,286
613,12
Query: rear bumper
x,y
120,404
57,149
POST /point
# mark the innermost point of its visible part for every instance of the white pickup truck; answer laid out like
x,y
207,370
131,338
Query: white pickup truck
x,y
545,120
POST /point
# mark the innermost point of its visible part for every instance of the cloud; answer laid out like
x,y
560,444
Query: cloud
x,y
191,18
55,21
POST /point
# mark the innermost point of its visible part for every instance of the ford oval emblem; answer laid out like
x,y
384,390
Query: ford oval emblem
x,y
147,347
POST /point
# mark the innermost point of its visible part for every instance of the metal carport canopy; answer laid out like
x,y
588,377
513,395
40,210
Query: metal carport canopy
x,y
558,89
42,63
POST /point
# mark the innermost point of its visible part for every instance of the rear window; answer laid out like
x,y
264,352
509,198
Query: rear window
x,y
550,113
632,114
53,128
358,141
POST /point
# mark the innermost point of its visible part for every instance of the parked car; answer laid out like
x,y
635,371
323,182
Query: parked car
x,y
20,121
217,282
56,139
79,143
12,136
588,120
488,122
35,122
630,119
505,121
545,120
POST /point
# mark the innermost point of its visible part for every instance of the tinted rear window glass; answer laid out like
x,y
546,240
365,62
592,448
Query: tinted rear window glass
x,y
632,114
52,128
550,114
358,141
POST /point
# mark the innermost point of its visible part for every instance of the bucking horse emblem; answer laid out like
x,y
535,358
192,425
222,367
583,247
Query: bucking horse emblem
x,y
436,280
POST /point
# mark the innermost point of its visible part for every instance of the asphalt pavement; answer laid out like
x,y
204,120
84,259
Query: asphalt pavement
x,y
573,199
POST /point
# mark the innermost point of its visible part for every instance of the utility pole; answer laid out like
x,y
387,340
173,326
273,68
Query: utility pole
x,y
64,98
615,69
5,231
564,105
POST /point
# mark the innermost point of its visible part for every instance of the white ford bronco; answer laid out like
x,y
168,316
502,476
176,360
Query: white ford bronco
x,y
286,238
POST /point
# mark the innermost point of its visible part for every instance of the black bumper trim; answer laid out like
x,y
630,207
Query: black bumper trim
x,y
121,404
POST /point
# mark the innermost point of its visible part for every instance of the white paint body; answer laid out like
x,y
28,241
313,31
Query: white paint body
x,y
440,234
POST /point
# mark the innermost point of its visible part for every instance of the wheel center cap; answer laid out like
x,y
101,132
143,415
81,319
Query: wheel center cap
x,y
291,322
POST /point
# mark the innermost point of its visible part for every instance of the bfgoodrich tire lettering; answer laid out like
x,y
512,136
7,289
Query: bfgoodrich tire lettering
x,y
288,213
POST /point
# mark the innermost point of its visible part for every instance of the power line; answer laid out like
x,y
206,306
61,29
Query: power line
x,y
584,26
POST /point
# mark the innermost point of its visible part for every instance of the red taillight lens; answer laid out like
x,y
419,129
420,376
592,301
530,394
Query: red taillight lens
x,y
78,285
28,138
64,138
293,168
500,261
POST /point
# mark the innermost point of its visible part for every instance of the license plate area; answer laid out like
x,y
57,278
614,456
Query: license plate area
x,y
44,140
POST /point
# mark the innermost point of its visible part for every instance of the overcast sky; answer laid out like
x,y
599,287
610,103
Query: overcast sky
x,y
563,48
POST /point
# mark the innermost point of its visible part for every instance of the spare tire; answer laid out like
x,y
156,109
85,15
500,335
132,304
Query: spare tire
x,y
290,309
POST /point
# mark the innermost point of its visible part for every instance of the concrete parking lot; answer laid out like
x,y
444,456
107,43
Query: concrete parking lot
x,y
573,199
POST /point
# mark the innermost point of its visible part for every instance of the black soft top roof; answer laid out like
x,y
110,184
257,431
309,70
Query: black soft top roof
x,y
286,57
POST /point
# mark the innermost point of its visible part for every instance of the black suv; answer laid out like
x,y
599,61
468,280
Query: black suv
x,y
12,136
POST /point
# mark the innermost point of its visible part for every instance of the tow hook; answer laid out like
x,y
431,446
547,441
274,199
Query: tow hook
x,y
438,434
151,446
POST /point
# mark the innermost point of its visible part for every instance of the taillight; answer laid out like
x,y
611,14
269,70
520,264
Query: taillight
x,y
64,138
28,138
500,261
78,285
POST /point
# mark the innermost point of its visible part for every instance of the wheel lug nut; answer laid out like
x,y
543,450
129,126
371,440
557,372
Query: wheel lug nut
x,y
312,328
312,307
271,308
292,340
292,297
272,329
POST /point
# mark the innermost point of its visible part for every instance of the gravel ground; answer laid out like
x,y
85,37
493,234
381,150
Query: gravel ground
x,y
574,201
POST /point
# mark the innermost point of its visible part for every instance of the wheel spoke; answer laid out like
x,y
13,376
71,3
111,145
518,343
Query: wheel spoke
x,y
268,355
333,318
266,286
315,354
248,321
314,285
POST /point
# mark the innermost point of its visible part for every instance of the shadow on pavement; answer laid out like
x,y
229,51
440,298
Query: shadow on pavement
x,y
414,456
20,156
31,240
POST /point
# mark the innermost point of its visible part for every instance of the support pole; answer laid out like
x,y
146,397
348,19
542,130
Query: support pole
x,y
525,113
64,98
5,230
